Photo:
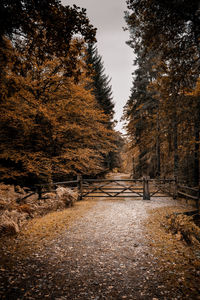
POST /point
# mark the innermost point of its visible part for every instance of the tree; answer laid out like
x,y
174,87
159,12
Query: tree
x,y
102,91
60,22
169,28
50,126
140,114
170,31
100,84
33,20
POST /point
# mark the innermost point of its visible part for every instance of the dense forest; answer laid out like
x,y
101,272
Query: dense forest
x,y
56,114
57,108
163,112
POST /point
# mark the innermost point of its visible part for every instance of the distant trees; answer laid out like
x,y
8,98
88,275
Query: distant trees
x,y
140,113
162,113
51,126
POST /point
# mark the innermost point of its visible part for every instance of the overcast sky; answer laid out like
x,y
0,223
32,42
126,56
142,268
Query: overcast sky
x,y
108,17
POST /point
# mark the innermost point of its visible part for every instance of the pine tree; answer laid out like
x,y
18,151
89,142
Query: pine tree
x,y
140,113
100,84
165,38
102,90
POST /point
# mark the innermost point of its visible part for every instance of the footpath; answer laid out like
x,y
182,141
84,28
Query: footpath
x,y
101,249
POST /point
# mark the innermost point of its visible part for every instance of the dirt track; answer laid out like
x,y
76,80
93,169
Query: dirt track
x,y
103,254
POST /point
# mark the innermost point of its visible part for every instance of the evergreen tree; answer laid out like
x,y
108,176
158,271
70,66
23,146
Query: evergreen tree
x,y
102,90
165,38
100,84
171,29
140,114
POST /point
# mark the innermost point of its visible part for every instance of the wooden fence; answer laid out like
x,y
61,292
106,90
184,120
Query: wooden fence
x,y
190,193
170,187
180,190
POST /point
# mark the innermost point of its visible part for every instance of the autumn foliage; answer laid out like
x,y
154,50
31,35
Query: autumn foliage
x,y
51,126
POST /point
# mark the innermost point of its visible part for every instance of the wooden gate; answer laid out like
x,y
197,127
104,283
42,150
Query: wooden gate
x,y
123,188
116,188
113,188
162,188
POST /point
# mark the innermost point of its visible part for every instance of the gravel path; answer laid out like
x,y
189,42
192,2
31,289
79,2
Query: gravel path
x,y
102,255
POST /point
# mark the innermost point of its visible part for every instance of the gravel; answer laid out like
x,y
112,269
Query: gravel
x,y
103,254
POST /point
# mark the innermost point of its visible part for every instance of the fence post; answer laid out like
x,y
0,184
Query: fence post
x,y
198,200
39,191
146,194
175,193
80,186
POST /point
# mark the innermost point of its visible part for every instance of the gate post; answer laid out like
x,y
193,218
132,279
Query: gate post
x,y
80,186
146,194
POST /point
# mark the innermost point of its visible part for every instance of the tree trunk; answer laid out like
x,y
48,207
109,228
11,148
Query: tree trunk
x,y
196,147
197,123
158,147
175,132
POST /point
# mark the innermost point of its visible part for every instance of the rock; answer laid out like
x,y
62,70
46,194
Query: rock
x,y
7,187
8,224
7,193
3,204
25,208
16,206
11,215
9,227
49,195
19,190
11,221
67,195
27,198
32,199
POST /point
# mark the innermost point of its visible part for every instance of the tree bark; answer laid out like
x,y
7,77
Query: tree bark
x,y
175,132
158,147
196,147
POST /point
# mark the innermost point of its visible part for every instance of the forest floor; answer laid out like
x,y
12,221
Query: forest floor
x,y
101,249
